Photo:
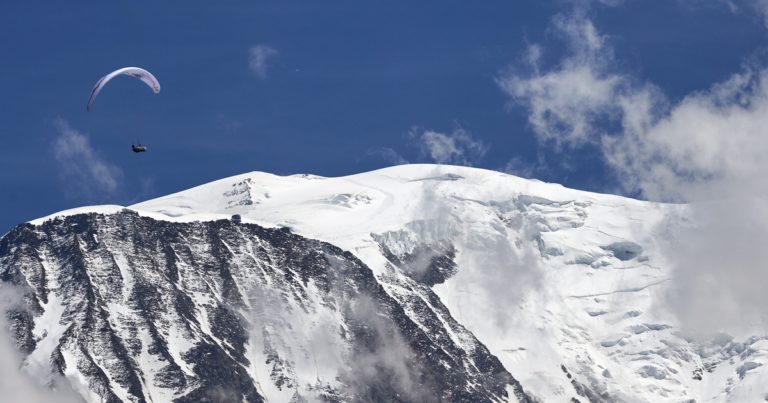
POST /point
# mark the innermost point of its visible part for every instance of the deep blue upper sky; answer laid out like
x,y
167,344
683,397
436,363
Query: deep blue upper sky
x,y
349,78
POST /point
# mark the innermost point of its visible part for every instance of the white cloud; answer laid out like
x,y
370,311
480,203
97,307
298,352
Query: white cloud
x,y
711,145
567,103
720,272
15,383
258,59
457,147
83,171
708,148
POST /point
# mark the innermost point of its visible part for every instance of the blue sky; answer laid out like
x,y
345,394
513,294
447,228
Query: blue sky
x,y
340,87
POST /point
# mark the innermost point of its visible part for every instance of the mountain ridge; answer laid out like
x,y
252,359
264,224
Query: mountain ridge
x,y
564,287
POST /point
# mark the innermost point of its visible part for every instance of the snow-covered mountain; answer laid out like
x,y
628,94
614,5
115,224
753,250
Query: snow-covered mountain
x,y
411,283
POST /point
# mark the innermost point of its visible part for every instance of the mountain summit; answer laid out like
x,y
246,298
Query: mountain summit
x,y
410,283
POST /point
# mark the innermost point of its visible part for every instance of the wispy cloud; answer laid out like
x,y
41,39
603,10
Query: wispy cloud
x,y
389,155
457,147
568,103
83,172
762,8
756,8
501,257
520,167
386,361
259,57
707,148
227,123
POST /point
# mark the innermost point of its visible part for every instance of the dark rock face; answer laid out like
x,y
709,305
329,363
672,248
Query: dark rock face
x,y
146,310
427,264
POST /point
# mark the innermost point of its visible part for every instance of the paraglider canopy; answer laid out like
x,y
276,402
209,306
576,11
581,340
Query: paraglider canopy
x,y
137,72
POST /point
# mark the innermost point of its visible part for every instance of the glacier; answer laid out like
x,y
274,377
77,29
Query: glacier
x,y
409,283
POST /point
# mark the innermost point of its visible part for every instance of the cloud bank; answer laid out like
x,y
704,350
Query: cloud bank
x,y
708,148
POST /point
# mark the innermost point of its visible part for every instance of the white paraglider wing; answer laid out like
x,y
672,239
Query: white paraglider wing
x,y
137,72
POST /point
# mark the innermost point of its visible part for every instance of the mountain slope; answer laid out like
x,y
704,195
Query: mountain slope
x,y
151,310
488,279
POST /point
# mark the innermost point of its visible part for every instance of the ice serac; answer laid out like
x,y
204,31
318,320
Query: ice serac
x,y
129,308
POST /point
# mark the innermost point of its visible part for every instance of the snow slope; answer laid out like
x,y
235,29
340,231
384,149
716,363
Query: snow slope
x,y
565,287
